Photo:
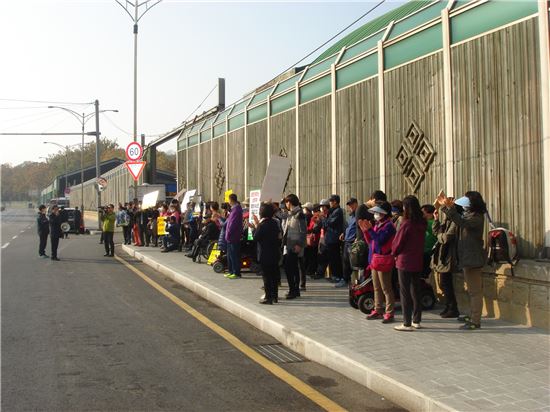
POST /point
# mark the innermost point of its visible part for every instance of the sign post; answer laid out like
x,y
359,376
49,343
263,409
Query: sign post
x,y
135,165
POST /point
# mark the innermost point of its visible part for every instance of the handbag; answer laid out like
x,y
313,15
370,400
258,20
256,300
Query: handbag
x,y
382,263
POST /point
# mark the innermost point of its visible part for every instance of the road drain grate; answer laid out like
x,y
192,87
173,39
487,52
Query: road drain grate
x,y
279,354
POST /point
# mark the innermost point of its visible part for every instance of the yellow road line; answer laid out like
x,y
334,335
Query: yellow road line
x,y
276,370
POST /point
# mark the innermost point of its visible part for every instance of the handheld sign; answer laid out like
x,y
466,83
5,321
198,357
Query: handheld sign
x,y
275,179
253,209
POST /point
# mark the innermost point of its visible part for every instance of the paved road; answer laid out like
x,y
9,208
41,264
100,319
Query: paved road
x,y
87,333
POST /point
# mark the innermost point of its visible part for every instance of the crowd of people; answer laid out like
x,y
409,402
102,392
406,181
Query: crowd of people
x,y
402,240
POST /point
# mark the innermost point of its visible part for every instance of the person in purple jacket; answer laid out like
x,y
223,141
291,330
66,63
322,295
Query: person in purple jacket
x,y
408,249
233,235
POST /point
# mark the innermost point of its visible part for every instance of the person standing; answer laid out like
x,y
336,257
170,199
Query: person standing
x,y
268,238
333,226
123,220
429,239
444,260
471,255
64,218
348,237
380,238
233,236
55,231
408,249
78,221
108,220
43,226
294,242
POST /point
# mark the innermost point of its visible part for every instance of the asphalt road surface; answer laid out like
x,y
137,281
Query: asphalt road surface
x,y
87,333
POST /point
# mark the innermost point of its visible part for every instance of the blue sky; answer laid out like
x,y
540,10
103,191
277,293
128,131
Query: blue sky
x,y
77,51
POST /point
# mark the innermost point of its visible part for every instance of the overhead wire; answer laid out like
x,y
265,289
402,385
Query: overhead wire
x,y
45,102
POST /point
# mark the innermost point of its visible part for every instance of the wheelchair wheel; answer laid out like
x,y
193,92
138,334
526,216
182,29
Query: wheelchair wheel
x,y
218,267
366,303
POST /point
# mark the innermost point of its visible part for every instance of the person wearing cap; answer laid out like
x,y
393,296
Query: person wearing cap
x,y
349,236
408,249
380,238
233,235
334,227
397,213
444,260
471,254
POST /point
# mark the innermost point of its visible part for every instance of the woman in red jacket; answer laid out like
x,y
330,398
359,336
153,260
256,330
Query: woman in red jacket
x,y
408,249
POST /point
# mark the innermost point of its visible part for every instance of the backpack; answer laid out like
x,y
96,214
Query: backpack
x,y
358,254
502,245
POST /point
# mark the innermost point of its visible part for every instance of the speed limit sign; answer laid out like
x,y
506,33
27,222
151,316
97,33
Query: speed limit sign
x,y
134,151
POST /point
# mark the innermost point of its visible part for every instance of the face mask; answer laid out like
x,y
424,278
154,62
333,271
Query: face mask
x,y
378,217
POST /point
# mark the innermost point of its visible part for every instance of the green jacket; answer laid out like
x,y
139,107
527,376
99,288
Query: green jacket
x,y
429,238
108,220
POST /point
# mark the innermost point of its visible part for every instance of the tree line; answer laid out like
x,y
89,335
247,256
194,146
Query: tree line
x,y
25,181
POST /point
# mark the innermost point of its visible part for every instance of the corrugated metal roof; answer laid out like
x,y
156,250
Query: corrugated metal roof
x,y
373,26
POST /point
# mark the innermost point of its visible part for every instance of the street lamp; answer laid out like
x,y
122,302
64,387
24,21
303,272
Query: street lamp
x,y
83,118
136,17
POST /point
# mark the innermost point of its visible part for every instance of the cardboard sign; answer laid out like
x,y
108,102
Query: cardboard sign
x,y
253,209
226,195
161,225
150,199
275,179
186,198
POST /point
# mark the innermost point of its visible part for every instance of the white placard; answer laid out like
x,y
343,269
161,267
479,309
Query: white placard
x,y
275,179
188,195
253,209
150,199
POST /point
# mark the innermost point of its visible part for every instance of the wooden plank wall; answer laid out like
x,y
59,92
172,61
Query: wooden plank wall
x,y
193,160
414,92
235,158
218,152
205,173
315,150
283,136
497,128
357,140
181,170
257,154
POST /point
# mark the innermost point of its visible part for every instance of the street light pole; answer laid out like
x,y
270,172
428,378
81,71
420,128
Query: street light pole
x,y
135,18
97,171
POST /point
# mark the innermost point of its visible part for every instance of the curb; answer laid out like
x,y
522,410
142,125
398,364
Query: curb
x,y
376,381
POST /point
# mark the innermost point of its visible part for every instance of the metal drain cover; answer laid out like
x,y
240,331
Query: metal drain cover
x,y
279,354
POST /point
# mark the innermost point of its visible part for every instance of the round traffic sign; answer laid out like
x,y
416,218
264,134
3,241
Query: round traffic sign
x,y
134,151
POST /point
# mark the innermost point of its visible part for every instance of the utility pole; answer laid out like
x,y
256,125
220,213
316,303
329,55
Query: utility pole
x,y
97,171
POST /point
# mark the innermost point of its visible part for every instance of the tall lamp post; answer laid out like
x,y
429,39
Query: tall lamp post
x,y
82,118
136,16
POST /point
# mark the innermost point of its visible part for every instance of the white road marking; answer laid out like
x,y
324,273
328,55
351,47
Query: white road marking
x,y
6,245
15,237
22,231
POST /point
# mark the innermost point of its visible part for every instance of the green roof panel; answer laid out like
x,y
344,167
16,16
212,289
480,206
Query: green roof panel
x,y
373,26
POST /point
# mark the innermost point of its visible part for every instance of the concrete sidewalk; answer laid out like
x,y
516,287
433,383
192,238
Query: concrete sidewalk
x,y
502,367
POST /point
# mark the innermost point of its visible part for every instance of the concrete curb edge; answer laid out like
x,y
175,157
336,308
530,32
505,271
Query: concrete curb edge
x,y
386,386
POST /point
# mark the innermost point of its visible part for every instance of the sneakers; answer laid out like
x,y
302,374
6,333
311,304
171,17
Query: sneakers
x,y
470,326
465,319
416,325
374,315
403,328
388,318
341,283
233,276
226,275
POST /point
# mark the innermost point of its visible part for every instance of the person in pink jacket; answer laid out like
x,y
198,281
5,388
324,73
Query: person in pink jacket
x,y
408,249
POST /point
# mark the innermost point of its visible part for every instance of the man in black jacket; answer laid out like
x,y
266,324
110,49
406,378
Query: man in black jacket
x,y
43,226
55,231
334,227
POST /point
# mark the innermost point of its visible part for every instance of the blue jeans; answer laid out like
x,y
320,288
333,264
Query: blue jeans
x,y
234,257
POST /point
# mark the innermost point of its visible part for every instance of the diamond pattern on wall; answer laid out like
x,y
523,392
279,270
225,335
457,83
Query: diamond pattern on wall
x,y
415,156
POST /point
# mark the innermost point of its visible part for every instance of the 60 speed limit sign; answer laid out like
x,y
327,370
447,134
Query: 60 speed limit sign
x,y
134,151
